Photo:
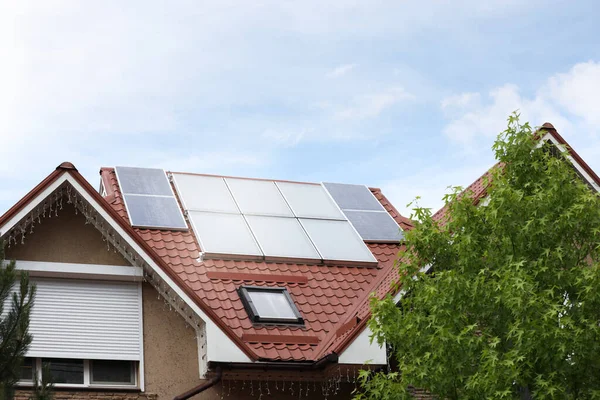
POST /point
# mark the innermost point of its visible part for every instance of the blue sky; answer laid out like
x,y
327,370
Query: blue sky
x,y
407,96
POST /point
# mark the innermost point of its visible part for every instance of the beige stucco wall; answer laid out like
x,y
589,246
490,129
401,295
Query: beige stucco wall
x,y
66,238
170,349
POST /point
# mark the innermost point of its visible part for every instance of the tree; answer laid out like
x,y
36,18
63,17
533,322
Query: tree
x,y
510,308
43,389
15,309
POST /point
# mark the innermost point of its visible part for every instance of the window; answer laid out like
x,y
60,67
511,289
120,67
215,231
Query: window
x,y
270,305
27,370
112,372
82,373
65,370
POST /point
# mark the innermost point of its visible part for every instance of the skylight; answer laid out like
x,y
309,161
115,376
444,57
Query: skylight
x,y
269,305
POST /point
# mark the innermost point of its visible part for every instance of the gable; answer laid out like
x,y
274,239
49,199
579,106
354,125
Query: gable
x,y
558,145
65,238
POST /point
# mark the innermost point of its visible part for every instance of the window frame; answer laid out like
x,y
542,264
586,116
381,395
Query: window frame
x,y
253,313
87,377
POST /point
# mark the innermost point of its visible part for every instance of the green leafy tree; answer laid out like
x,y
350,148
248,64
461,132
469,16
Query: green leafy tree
x,y
15,309
510,308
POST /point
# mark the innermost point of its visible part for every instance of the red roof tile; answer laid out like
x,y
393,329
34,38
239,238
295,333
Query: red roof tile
x,y
478,189
328,296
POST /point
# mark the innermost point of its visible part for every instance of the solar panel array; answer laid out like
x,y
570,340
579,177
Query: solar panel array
x,y
250,218
149,198
365,212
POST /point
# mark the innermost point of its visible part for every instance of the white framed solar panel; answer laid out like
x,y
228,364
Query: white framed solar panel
x,y
258,197
204,193
281,238
310,201
221,234
337,241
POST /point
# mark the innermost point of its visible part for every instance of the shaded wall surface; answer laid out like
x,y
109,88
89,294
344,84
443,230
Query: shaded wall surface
x,y
170,348
65,238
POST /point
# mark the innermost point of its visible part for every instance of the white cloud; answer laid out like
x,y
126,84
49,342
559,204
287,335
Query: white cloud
x,y
341,70
568,100
372,105
210,162
283,138
431,184
577,91
460,102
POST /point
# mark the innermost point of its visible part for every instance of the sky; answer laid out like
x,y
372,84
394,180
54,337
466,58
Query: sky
x,y
407,96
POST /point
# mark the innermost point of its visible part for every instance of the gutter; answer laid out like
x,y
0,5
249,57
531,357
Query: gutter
x,y
202,387
319,364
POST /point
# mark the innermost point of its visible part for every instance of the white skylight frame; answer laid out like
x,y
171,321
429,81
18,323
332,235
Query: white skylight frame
x,y
254,313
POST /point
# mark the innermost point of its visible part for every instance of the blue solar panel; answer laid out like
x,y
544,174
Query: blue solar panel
x,y
149,181
353,197
154,212
365,213
375,226
149,198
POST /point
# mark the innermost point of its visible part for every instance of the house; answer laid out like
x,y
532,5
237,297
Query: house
x,y
171,285
547,135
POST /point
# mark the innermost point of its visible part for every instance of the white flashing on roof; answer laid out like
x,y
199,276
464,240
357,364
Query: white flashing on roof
x,y
361,351
228,350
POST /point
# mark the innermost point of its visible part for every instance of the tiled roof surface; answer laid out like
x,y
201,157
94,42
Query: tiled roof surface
x,y
477,190
331,298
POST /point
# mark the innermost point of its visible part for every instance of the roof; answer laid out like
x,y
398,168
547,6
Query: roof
x,y
478,189
334,300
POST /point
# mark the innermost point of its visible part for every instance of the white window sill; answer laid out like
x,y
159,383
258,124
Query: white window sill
x,y
74,386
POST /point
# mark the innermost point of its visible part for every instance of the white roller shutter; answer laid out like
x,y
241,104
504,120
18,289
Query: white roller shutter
x,y
86,319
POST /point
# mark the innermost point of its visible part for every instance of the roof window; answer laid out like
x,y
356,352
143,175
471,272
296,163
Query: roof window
x,y
269,305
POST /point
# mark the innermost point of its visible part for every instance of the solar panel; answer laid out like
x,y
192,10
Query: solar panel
x,y
309,201
154,212
337,240
365,212
258,197
149,199
375,226
274,220
282,237
224,234
353,197
149,181
204,193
